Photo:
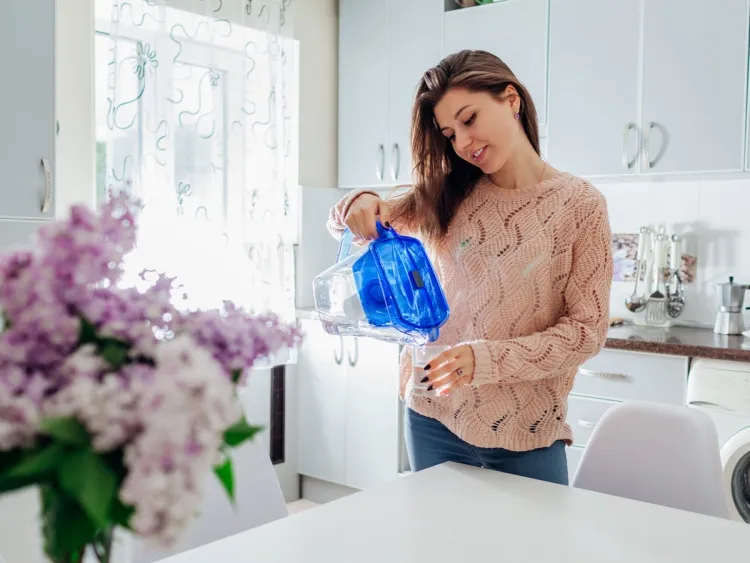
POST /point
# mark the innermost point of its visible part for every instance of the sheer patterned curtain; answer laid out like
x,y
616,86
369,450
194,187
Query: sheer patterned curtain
x,y
197,115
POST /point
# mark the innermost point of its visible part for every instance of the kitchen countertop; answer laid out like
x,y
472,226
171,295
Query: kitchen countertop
x,y
679,341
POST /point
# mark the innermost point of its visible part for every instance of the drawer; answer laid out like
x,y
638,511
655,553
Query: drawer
x,y
621,376
583,415
573,454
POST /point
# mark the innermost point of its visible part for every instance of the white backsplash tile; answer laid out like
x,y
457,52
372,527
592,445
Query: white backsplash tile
x,y
712,215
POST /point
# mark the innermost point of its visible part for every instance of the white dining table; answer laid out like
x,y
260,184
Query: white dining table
x,y
459,514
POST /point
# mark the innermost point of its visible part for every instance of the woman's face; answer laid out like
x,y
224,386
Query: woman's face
x,y
482,128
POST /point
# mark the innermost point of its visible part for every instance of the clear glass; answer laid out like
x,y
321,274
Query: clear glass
x,y
421,356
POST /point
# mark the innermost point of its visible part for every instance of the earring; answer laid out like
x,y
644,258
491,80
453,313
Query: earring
x,y
517,115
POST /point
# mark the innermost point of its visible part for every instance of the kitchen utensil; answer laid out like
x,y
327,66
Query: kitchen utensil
x,y
656,306
675,253
637,302
730,318
388,291
675,294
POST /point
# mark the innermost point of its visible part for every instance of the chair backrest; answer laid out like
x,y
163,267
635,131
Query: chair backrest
x,y
259,500
656,453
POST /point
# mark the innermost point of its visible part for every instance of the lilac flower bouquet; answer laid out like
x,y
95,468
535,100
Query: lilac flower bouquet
x,y
113,402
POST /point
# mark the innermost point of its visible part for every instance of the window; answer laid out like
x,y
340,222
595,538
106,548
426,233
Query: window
x,y
197,114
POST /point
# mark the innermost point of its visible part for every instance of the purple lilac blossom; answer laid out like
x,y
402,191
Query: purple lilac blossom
x,y
166,403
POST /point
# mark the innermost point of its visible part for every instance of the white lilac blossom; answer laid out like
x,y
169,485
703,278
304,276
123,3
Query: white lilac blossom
x,y
141,376
185,405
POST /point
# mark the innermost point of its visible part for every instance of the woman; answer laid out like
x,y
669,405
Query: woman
x,y
523,253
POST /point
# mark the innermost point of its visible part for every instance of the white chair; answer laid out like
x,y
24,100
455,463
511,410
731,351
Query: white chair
x,y
259,500
656,453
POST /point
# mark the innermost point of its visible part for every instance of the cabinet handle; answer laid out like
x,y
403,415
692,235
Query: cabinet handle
x,y
627,164
646,148
396,155
587,424
353,362
380,168
601,374
338,358
47,185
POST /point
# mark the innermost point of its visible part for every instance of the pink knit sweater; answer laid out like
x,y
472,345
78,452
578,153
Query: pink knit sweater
x,y
527,274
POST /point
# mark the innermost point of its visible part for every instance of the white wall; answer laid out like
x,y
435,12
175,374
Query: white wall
x,y
714,216
75,166
316,27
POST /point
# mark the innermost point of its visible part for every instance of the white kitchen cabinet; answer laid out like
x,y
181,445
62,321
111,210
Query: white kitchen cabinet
x,y
414,42
348,409
372,413
622,375
384,47
694,79
13,232
321,403
593,91
363,91
515,31
27,107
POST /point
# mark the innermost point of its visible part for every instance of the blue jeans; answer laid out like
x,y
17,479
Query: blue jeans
x,y
430,443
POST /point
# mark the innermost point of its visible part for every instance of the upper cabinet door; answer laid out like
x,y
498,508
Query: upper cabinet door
x,y
593,91
27,107
414,41
363,110
515,31
694,78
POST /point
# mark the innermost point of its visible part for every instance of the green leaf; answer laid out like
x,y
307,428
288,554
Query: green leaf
x,y
66,430
239,432
65,526
225,473
236,376
35,465
84,476
87,334
121,513
114,352
4,322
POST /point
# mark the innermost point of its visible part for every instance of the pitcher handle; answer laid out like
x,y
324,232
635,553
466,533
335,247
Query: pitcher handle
x,y
345,245
348,238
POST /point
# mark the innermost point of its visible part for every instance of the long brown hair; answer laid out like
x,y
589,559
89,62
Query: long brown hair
x,y
442,179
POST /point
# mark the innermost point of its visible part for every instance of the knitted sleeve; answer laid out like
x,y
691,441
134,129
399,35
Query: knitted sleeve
x,y
581,331
337,216
338,212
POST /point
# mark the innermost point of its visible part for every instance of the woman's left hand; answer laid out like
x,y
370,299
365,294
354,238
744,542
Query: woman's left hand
x,y
450,370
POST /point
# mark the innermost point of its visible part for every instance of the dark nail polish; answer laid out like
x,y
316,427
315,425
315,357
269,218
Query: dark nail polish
x,y
430,388
424,379
387,225
427,367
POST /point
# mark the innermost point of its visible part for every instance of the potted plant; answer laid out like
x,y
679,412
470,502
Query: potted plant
x,y
115,403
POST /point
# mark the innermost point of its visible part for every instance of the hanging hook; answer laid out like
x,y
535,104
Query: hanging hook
x,y
205,212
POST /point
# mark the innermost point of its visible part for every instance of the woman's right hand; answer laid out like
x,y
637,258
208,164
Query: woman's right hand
x,y
363,213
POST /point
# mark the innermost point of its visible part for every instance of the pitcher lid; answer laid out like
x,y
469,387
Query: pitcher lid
x,y
414,295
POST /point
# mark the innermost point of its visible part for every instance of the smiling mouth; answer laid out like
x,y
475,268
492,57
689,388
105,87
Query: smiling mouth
x,y
477,155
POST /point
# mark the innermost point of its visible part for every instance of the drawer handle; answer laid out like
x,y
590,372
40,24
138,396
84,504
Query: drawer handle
x,y
353,362
602,374
587,424
339,357
47,185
